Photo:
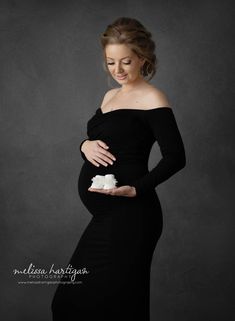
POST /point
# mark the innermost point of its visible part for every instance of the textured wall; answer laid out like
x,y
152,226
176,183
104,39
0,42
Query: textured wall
x,y
51,82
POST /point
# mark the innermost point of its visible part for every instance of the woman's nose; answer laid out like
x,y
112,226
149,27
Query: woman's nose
x,y
118,69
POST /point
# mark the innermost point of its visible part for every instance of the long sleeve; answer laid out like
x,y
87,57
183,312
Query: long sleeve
x,y
165,130
82,154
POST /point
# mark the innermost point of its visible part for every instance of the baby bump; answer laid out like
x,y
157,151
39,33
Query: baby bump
x,y
97,203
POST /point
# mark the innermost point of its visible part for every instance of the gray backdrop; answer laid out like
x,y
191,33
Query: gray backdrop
x,y
52,81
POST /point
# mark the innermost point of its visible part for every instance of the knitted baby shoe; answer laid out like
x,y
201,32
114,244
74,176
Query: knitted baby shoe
x,y
109,181
97,181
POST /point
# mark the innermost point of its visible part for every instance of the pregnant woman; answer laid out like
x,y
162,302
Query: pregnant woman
x,y
117,245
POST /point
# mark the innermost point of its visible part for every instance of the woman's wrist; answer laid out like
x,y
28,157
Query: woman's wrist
x,y
83,144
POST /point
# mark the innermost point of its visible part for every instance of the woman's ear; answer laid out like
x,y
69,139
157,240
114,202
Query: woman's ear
x,y
142,61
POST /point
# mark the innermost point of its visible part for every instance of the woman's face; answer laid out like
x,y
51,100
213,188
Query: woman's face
x,y
123,64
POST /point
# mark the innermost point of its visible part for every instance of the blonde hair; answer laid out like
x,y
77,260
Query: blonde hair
x,y
132,33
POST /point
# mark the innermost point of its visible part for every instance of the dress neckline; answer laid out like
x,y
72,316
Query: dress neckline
x,y
131,109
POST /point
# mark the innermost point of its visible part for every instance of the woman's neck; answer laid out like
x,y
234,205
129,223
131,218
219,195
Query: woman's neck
x,y
130,87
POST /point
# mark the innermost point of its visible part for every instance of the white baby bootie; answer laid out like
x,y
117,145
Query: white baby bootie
x,y
98,181
105,182
109,181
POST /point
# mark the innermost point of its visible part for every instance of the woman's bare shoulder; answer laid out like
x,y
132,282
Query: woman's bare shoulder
x,y
108,95
156,97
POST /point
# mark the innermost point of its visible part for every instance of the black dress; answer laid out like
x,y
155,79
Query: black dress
x,y
118,243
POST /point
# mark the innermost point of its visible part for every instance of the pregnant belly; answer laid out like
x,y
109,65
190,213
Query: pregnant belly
x,y
98,203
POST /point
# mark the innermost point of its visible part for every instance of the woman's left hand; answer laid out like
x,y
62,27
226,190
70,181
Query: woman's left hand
x,y
125,190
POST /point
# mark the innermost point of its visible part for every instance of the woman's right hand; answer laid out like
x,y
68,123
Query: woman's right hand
x,y
96,152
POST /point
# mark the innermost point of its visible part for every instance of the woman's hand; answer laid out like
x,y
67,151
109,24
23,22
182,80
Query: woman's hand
x,y
96,152
125,190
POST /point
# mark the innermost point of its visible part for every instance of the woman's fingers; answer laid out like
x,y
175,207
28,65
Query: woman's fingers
x,y
104,150
110,191
102,144
99,160
94,162
104,159
106,154
116,191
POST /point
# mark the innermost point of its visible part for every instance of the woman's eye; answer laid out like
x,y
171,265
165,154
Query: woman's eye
x,y
112,63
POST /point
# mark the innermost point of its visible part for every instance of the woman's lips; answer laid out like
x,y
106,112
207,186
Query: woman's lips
x,y
120,78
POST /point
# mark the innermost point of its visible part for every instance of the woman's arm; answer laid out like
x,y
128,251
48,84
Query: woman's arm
x,y
165,130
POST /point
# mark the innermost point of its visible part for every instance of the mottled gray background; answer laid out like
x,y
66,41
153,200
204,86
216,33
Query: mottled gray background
x,y
51,83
